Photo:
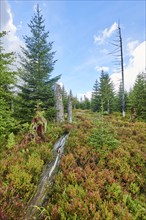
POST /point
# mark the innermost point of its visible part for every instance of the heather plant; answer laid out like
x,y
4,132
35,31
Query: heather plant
x,y
100,181
95,180
21,164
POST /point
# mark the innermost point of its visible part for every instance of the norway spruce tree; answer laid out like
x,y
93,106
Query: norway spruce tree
x,y
37,64
7,81
137,96
95,99
106,92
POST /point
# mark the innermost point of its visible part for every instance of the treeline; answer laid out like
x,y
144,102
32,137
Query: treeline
x,y
104,98
31,85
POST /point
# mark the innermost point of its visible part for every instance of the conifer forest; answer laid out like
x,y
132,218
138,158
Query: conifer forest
x,y
65,158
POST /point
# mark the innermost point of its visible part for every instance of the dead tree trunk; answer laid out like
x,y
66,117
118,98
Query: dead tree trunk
x,y
122,71
59,104
118,52
69,109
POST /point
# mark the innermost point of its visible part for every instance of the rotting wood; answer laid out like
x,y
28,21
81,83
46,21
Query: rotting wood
x,y
45,180
59,104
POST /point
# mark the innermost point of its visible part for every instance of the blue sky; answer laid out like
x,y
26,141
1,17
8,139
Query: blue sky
x,y
82,32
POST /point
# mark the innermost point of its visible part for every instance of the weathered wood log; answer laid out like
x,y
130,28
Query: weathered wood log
x,y
49,171
59,104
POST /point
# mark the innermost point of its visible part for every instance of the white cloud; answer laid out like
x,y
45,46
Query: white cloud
x,y
83,95
7,18
136,65
11,41
131,46
104,51
106,33
88,95
100,68
116,78
19,26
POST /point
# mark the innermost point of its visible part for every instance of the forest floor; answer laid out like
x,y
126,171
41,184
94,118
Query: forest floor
x,y
101,176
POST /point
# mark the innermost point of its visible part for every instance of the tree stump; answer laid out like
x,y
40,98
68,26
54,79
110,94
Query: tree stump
x,y
59,104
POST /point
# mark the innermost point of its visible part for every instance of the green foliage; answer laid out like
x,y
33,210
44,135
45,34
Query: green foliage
x,y
21,164
7,122
106,92
20,180
103,94
86,103
137,96
7,82
114,191
103,135
11,140
7,76
101,174
95,101
34,165
106,183
75,102
37,63
135,206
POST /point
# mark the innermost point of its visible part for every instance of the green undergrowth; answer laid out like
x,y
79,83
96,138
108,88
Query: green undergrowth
x,y
21,163
102,174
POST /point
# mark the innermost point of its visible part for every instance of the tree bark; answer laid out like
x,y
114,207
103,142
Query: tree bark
x,y
122,70
59,104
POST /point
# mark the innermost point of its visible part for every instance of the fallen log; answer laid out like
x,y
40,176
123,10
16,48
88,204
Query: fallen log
x,y
46,179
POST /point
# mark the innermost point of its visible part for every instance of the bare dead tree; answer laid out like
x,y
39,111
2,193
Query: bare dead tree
x,y
122,71
118,54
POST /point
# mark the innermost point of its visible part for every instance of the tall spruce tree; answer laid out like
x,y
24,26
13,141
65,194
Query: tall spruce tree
x,y
95,99
137,96
7,81
37,64
106,92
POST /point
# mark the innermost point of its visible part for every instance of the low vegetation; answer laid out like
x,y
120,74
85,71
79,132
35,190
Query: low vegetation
x,y
21,163
102,173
